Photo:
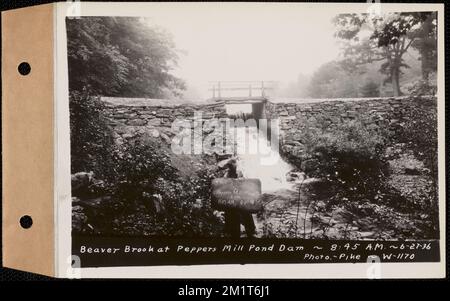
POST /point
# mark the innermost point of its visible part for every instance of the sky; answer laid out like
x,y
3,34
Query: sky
x,y
252,43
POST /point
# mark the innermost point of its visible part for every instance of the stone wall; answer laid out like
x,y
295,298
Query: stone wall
x,y
130,117
325,115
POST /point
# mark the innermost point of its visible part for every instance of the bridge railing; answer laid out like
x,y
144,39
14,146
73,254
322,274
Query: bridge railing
x,y
222,89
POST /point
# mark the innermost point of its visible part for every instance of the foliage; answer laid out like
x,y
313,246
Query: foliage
x,y
370,89
390,37
420,135
426,44
422,87
120,56
138,166
90,136
351,159
188,209
186,212
148,197
345,78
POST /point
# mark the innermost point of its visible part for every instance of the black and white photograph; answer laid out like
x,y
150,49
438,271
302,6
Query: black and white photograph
x,y
247,134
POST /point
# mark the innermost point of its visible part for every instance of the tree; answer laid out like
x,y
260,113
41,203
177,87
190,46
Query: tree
x,y
426,43
120,56
371,38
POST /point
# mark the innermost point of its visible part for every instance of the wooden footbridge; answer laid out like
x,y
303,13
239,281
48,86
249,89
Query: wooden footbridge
x,y
254,93
241,92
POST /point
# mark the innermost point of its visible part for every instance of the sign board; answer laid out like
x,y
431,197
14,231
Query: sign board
x,y
244,194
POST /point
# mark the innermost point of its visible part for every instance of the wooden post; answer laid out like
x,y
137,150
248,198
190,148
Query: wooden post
x,y
263,93
214,91
250,90
219,89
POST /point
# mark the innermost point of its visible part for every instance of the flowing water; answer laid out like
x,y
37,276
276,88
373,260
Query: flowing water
x,y
286,212
257,158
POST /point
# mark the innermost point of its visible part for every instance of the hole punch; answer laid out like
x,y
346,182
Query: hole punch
x,y
26,221
24,68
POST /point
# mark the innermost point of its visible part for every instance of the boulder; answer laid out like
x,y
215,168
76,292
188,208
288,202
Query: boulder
x,y
165,138
80,181
128,136
224,162
412,171
154,122
79,219
309,165
293,176
292,142
137,122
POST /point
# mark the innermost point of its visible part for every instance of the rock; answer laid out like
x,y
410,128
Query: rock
x,y
287,148
366,235
79,219
206,130
309,165
224,155
293,176
296,136
412,171
405,163
297,151
292,142
127,136
296,174
118,116
352,114
97,187
80,182
154,122
115,122
96,203
155,133
208,115
147,116
166,138
75,201
137,122
159,115
223,163
147,112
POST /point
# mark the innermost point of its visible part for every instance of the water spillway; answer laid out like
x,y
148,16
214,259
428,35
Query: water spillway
x,y
257,158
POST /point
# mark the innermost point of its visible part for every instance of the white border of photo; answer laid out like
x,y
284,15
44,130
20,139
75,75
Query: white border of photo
x,y
63,206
